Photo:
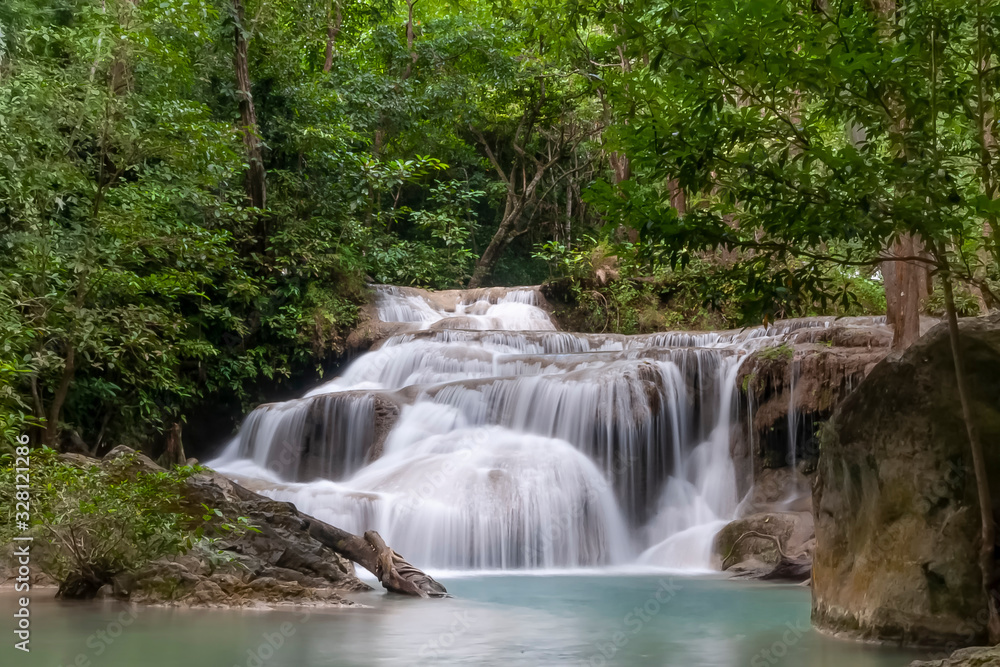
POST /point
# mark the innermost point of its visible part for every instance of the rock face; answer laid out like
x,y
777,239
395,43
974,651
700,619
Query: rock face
x,y
809,375
785,394
897,516
967,657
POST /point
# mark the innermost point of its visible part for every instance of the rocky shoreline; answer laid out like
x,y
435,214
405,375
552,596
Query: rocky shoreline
x,y
278,564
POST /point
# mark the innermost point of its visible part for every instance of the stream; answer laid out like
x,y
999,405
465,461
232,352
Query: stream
x,y
592,619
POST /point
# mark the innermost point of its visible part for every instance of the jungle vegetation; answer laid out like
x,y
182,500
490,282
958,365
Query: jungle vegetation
x,y
194,194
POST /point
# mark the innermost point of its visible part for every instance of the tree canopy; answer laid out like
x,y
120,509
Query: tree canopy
x,y
195,193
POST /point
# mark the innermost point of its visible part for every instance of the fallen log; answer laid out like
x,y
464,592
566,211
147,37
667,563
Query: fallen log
x,y
371,552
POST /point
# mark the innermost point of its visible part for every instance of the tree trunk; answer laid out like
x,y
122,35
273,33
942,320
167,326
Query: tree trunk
x,y
371,553
988,527
173,453
905,282
256,178
51,432
621,169
905,289
490,256
410,38
516,203
334,19
677,197
567,231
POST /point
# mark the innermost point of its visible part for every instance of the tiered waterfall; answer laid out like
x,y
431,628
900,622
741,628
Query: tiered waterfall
x,y
480,437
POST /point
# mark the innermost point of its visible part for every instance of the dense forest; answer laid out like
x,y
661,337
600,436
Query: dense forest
x,y
194,194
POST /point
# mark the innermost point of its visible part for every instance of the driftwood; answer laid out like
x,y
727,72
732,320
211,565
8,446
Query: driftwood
x,y
371,553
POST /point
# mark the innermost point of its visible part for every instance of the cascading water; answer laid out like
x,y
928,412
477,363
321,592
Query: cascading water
x,y
513,445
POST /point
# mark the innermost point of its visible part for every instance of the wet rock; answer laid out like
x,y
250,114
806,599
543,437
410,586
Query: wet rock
x,y
979,656
123,584
811,373
778,490
281,546
299,443
142,461
208,592
794,568
285,574
229,583
897,515
78,460
774,545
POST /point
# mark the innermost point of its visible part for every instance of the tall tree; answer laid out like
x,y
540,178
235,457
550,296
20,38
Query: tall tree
x,y
256,176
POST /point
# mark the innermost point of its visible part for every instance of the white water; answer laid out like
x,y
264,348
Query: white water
x,y
517,446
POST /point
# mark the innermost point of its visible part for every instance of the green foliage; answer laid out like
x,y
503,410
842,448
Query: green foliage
x,y
966,303
629,288
15,416
95,521
783,352
137,282
872,127
648,286
439,255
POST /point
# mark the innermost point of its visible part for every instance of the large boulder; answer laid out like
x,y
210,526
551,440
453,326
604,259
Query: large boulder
x,y
897,516
756,544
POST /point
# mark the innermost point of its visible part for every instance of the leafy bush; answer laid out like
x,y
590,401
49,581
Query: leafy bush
x,y
641,287
94,521
14,414
966,303
627,288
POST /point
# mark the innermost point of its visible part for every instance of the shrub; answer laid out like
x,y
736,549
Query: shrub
x,y
92,521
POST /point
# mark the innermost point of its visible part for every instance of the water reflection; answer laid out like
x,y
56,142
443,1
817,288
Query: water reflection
x,y
552,619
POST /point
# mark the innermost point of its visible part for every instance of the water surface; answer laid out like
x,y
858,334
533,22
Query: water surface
x,y
509,619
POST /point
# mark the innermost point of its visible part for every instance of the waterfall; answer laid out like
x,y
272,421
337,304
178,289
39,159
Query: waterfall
x,y
478,436
793,414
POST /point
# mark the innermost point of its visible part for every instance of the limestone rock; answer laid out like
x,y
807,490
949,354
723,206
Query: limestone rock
x,y
812,372
978,656
778,490
750,546
897,516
